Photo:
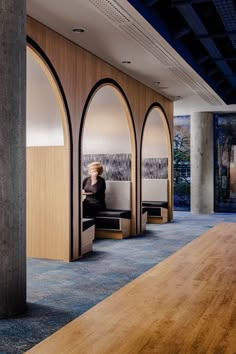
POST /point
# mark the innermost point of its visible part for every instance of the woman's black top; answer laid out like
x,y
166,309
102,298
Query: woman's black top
x,y
97,190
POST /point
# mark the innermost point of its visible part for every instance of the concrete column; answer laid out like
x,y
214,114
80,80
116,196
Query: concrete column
x,y
202,163
12,157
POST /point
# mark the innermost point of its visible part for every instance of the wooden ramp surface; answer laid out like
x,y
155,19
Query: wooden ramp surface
x,y
185,304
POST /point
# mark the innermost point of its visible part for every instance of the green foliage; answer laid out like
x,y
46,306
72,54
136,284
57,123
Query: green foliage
x,y
181,149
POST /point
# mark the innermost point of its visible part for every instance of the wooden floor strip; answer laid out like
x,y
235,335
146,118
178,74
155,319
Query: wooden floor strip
x,y
185,304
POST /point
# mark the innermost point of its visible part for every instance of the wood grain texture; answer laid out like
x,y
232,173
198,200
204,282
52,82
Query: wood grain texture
x,y
185,304
87,239
79,71
157,219
109,234
48,233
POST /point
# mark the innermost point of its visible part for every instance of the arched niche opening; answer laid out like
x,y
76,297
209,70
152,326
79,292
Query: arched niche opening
x,y
48,164
108,137
156,167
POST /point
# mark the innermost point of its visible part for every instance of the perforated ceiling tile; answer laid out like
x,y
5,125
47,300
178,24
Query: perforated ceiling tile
x,y
111,10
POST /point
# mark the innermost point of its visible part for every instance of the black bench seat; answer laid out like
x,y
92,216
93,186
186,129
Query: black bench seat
x,y
87,223
115,213
155,204
157,211
113,223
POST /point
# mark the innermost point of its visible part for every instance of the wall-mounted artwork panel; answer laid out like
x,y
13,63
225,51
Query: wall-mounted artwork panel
x,y
116,167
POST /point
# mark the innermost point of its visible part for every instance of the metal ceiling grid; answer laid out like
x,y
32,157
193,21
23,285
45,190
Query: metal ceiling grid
x,y
203,32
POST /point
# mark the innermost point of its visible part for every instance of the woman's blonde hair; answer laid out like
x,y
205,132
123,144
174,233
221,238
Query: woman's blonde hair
x,y
96,166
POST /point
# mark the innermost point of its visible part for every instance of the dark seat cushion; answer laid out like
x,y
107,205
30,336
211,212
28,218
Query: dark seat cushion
x,y
88,223
108,223
111,213
154,211
158,203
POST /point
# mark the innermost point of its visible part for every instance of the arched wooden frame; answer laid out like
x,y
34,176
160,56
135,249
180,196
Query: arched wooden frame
x,y
132,134
48,69
165,122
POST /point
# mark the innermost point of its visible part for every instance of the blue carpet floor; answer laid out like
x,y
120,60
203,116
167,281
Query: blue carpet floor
x,y
58,292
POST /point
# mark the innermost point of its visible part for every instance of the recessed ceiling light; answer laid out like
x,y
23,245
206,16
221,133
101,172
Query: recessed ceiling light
x,y
78,30
156,82
126,62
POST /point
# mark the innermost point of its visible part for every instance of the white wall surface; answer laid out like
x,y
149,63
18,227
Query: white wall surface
x,y
43,116
106,129
154,138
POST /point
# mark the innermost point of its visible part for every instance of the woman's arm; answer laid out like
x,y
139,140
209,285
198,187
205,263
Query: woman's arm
x,y
84,185
101,185
86,193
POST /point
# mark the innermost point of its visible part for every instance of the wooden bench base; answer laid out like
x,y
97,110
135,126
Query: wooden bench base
x,y
154,219
144,220
118,234
88,235
157,220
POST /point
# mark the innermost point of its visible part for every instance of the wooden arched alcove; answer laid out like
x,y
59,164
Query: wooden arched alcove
x,y
115,136
48,161
158,138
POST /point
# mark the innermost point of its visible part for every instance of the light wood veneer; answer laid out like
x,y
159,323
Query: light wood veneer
x,y
185,304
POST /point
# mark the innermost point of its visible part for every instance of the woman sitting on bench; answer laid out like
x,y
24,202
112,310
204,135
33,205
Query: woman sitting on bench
x,y
94,188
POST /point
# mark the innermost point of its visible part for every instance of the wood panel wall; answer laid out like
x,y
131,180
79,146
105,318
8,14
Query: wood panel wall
x,y
48,213
78,71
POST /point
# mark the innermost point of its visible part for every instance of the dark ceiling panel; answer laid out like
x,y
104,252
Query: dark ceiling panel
x,y
203,32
